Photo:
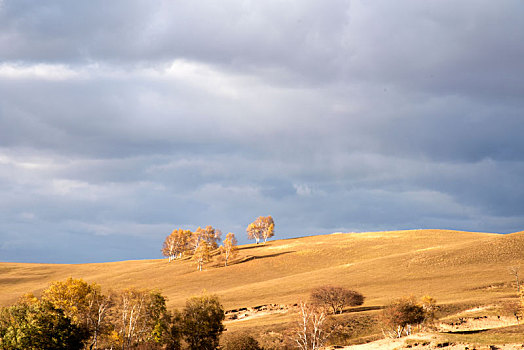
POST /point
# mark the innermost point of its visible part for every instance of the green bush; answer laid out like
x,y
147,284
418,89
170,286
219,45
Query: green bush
x,y
39,326
202,322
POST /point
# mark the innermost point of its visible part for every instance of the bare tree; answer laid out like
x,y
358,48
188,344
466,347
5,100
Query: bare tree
x,y
515,271
311,332
336,298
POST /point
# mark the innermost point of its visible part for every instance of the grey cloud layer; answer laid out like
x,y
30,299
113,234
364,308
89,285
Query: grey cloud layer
x,y
127,119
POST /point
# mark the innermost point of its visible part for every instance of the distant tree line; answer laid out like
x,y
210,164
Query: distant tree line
x,y
203,243
73,314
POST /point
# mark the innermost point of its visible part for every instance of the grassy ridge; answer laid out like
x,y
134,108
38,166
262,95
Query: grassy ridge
x,y
449,265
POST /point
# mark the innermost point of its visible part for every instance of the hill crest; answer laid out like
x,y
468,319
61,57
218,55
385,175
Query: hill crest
x,y
382,265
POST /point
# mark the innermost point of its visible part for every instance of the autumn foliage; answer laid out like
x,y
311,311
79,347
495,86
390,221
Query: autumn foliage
x,y
176,244
400,315
262,228
198,244
64,319
201,255
228,249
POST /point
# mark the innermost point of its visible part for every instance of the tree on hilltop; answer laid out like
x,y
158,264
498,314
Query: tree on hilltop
x,y
176,244
202,255
209,235
228,249
262,228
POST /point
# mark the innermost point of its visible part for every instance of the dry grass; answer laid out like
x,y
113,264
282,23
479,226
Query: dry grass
x,y
505,335
451,266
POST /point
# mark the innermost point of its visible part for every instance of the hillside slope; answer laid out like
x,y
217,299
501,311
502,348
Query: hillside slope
x,y
449,265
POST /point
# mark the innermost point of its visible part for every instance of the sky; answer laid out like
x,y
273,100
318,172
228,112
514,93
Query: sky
x,y
123,120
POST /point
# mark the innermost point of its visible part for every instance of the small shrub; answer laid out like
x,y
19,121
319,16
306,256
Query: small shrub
x,y
400,315
276,341
349,329
240,341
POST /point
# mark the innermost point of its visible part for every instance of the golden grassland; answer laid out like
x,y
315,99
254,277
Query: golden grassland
x,y
505,335
451,266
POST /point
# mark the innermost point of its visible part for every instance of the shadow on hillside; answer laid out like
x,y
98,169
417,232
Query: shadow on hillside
x,y
272,255
257,257
248,258
253,246
363,308
474,331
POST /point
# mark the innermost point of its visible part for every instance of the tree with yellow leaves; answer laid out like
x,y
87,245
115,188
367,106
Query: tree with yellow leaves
x,y
81,302
229,248
176,244
262,228
71,296
209,234
202,255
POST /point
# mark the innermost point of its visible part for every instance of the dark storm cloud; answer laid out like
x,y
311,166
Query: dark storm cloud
x,y
128,119
471,47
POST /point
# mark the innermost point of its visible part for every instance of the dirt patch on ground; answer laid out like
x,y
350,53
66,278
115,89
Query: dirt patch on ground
x,y
437,340
426,341
247,313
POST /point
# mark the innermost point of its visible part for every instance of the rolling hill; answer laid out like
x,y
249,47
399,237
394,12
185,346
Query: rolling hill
x,y
448,265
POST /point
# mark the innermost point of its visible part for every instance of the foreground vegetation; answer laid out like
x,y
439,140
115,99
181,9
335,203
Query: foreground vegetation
x,y
73,314
76,315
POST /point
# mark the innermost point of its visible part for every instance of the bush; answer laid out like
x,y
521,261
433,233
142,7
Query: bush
x,y
277,341
39,326
336,298
241,341
400,315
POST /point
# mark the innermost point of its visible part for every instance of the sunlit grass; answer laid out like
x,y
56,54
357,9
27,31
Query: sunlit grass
x,y
453,267
506,335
